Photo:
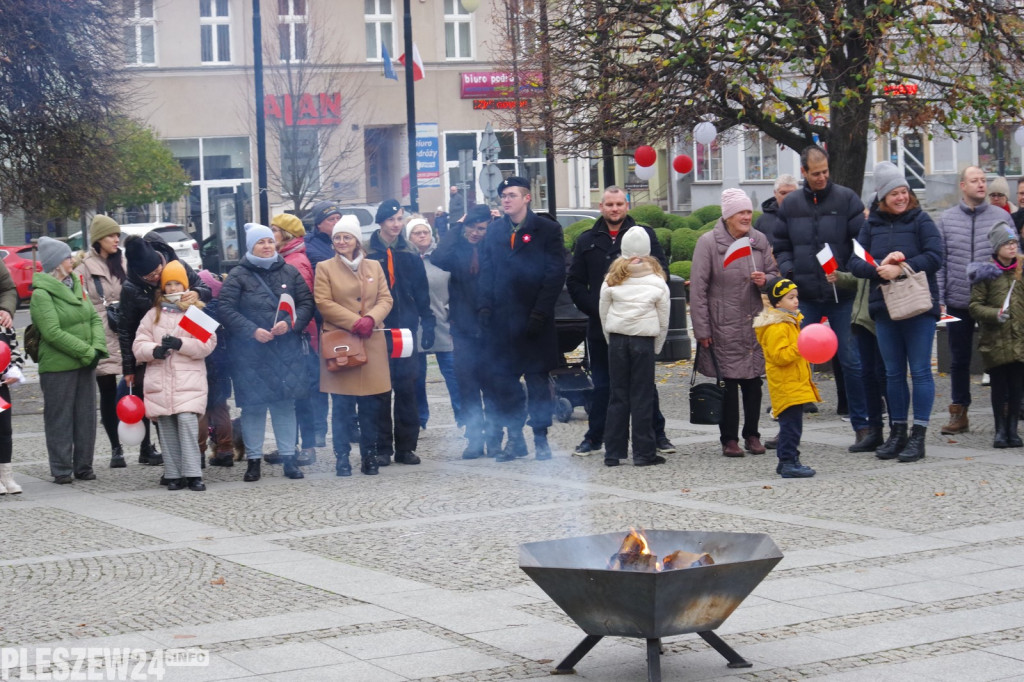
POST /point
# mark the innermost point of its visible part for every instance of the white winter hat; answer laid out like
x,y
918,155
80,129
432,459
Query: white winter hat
x,y
349,224
636,243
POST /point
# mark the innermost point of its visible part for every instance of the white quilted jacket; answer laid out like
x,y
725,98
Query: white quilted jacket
x,y
636,307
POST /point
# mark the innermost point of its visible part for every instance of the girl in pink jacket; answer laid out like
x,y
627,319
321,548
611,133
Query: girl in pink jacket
x,y
175,388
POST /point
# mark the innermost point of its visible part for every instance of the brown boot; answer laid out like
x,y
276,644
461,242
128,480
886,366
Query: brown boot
x,y
731,449
958,422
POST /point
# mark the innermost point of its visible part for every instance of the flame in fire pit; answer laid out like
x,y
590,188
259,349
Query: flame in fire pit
x,y
635,555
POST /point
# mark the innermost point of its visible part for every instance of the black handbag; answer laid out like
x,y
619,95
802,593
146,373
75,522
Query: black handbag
x,y
113,308
706,399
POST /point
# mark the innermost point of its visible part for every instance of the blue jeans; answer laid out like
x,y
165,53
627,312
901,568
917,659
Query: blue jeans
x,y
903,343
254,427
872,369
446,363
791,430
838,315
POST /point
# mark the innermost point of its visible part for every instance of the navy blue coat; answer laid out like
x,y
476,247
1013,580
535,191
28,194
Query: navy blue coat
x,y
410,292
455,255
276,370
516,281
914,234
318,247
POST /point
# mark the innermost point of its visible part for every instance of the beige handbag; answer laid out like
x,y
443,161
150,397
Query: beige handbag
x,y
907,295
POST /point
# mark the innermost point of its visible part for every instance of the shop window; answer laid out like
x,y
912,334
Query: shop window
x,y
707,162
997,152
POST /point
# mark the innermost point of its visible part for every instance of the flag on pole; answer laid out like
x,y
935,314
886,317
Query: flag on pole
x,y
287,306
198,324
862,253
738,249
827,260
389,68
399,341
417,63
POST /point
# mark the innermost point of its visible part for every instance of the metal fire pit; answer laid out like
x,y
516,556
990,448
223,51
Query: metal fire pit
x,y
650,605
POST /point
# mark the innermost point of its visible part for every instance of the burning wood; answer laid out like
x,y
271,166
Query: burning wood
x,y
635,555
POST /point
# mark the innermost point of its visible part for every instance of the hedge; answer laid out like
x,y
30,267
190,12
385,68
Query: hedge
x,y
649,214
683,242
706,214
571,233
680,268
664,236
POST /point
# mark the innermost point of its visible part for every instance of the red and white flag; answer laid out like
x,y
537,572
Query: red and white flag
x,y
738,249
198,324
827,260
287,306
4,405
400,342
417,63
862,253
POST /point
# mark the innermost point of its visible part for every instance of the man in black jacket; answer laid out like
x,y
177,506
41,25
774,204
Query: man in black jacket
x,y
146,257
593,253
407,281
785,184
818,215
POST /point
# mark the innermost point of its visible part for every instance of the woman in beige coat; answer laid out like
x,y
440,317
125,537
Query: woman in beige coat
x,y
102,271
351,293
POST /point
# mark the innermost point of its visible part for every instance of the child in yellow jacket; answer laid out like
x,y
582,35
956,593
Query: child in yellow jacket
x,y
789,374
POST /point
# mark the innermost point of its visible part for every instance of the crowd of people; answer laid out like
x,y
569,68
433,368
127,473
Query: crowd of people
x,y
481,298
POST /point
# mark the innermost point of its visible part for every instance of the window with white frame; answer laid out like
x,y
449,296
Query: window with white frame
x,y
380,28
707,162
292,25
458,31
760,156
997,152
139,33
214,32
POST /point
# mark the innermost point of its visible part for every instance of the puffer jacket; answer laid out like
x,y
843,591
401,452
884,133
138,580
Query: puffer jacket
x,y
318,247
998,343
273,371
437,283
964,233
294,254
914,234
137,298
638,306
96,275
809,220
789,374
769,219
410,291
176,384
70,331
724,303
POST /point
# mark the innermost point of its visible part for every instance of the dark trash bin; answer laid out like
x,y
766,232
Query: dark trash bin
x,y
677,344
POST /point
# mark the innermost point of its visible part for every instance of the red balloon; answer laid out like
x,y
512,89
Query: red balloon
x,y
131,409
683,164
817,343
5,356
645,156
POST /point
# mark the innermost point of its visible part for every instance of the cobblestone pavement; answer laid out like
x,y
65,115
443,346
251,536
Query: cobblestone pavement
x,y
891,571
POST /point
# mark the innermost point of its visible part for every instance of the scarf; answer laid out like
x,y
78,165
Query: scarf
x,y
264,263
352,264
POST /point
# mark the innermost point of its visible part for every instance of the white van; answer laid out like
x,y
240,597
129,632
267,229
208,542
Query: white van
x,y
186,248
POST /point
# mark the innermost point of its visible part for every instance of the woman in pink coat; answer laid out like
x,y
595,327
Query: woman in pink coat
x,y
175,390
724,299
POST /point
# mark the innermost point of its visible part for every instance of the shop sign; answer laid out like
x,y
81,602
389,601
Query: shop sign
x,y
484,104
428,155
500,84
321,109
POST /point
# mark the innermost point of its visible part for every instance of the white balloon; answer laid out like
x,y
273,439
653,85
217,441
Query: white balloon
x,y
1018,136
645,172
131,434
704,132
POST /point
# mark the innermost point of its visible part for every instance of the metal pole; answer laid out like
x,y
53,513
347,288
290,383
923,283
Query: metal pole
x,y
261,123
549,128
410,110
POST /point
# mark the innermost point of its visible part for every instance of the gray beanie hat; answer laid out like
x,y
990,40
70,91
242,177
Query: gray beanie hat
x,y
887,178
52,253
1001,233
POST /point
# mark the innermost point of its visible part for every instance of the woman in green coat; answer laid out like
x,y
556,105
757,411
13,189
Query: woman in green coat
x,y
71,344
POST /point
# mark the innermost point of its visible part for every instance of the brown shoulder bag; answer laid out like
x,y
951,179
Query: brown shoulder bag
x,y
342,350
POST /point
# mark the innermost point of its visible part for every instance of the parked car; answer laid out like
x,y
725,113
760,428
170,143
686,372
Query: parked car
x,y
364,212
568,216
176,236
21,262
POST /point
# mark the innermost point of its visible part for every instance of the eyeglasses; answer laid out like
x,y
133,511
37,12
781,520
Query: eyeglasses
x,y
343,238
420,233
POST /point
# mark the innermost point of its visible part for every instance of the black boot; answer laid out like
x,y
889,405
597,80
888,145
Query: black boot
x,y
914,449
252,473
117,458
152,456
1000,440
342,467
493,436
897,441
369,463
868,439
1012,436
475,448
291,469
541,449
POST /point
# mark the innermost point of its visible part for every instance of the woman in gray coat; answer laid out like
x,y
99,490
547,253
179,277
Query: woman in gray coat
x,y
725,296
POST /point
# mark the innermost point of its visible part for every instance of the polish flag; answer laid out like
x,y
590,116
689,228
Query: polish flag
x,y
738,249
862,253
417,63
827,260
4,405
286,306
400,342
198,324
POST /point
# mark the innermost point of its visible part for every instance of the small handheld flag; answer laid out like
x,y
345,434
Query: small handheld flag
x,y
198,324
287,306
400,342
4,405
862,253
829,265
738,249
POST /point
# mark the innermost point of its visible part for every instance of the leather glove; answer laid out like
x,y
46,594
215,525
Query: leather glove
x,y
535,325
96,357
364,327
160,353
171,342
484,319
427,337
1003,316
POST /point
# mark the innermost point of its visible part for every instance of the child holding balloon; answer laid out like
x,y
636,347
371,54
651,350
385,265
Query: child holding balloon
x,y
175,390
789,373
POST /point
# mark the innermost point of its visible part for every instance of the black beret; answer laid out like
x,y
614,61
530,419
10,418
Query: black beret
x,y
515,181
386,210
